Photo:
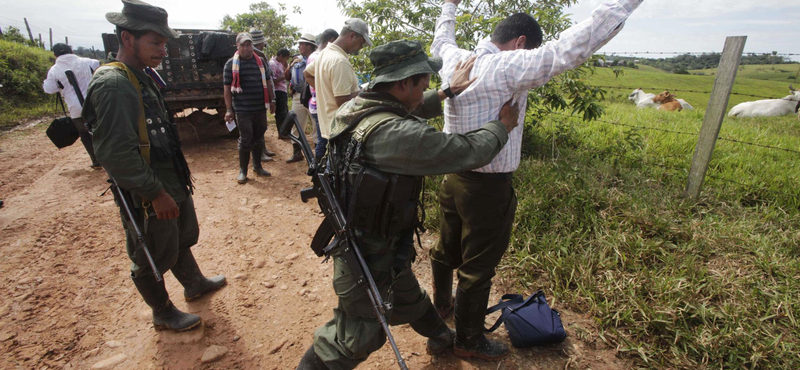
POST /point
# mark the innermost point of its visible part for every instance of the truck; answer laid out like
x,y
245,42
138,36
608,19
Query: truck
x,y
192,69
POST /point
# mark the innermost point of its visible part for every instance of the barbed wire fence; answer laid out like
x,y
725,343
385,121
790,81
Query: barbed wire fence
x,y
685,169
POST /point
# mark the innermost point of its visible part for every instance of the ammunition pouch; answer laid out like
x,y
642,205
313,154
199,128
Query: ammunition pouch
x,y
382,203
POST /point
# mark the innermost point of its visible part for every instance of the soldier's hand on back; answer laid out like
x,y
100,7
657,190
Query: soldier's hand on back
x,y
509,115
165,206
460,80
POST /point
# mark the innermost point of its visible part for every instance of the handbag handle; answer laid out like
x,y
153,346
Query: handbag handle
x,y
508,300
58,100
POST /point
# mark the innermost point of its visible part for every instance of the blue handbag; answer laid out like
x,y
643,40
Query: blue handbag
x,y
529,322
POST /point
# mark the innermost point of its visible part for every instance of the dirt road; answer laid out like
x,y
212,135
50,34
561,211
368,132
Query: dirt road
x,y
68,301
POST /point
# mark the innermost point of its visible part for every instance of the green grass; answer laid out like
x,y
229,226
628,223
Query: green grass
x,y
651,78
602,227
785,73
22,70
12,115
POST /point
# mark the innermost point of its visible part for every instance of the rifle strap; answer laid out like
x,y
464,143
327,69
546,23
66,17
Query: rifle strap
x,y
144,138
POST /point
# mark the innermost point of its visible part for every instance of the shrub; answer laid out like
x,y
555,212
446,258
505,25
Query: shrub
x,y
22,70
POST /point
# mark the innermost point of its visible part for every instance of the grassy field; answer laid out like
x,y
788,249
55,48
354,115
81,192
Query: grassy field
x,y
603,229
654,81
776,72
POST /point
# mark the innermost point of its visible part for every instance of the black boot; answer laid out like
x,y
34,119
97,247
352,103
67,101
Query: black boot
x,y
244,160
430,325
188,274
297,155
265,153
442,289
311,361
86,139
470,315
257,156
165,315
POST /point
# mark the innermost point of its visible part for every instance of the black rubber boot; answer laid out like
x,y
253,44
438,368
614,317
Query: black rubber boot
x,y
244,160
442,289
165,315
86,139
430,325
470,315
257,156
311,361
194,283
265,154
297,155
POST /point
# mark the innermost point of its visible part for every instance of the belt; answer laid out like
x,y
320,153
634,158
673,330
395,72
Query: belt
x,y
496,176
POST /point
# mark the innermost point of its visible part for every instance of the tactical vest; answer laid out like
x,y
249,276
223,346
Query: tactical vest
x,y
375,202
158,134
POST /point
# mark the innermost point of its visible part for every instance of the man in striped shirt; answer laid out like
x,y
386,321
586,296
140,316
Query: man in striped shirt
x,y
248,106
478,206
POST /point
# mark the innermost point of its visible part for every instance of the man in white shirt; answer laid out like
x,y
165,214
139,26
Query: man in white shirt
x,y
57,81
478,206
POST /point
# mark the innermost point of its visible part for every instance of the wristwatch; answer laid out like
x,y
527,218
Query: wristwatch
x,y
447,91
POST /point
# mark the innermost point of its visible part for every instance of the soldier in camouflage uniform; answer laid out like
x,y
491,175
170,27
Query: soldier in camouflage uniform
x,y
372,133
137,143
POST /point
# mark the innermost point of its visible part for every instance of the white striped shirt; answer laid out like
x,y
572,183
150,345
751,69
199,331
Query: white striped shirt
x,y
507,74
82,68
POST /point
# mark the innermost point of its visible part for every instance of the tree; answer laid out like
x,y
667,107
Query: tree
x,y
12,34
273,22
475,19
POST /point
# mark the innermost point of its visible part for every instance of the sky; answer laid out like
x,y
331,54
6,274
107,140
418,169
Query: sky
x,y
658,25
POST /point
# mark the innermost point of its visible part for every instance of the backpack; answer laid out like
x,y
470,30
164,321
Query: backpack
x,y
298,81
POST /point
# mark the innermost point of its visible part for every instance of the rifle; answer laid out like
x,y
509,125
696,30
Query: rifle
x,y
335,226
130,220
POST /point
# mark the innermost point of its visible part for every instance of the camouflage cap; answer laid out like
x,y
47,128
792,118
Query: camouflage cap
x,y
139,16
399,60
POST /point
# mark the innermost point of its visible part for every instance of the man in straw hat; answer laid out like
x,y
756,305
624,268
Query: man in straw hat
x,y
136,142
395,147
297,82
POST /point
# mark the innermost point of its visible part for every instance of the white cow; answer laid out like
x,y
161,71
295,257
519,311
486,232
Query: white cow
x,y
645,100
767,107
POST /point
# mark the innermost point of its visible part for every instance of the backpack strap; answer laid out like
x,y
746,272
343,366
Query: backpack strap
x,y
507,300
144,138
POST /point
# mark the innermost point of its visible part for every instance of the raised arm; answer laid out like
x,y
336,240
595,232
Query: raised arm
x,y
444,40
526,69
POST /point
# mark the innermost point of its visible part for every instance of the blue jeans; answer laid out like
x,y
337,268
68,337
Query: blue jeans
x,y
322,143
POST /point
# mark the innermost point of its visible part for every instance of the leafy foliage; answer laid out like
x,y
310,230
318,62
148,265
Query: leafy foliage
x,y
475,20
13,34
22,70
273,22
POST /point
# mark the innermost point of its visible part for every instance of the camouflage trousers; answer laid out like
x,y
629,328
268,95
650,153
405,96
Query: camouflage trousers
x,y
354,332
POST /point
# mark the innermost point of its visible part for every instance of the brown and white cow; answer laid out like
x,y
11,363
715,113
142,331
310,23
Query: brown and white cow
x,y
668,102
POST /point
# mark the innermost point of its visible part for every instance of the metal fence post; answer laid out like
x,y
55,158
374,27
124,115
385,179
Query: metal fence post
x,y
715,112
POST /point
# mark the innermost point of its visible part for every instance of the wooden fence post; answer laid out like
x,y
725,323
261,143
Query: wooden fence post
x,y
41,44
29,29
715,112
66,40
51,39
